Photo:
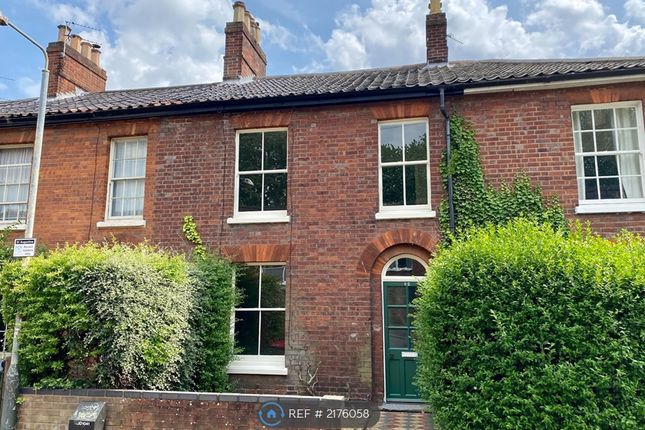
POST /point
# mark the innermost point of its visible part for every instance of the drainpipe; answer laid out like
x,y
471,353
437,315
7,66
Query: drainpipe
x,y
451,202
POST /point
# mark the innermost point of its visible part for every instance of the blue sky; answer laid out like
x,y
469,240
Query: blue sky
x,y
171,42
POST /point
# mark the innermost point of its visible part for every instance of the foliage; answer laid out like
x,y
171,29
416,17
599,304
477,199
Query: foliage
x,y
521,326
212,322
189,227
476,203
216,298
120,311
119,316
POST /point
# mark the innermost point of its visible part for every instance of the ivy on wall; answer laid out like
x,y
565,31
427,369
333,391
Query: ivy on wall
x,y
475,202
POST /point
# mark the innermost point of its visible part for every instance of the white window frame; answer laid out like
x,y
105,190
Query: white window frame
x,y
257,217
259,364
18,225
612,205
122,221
404,211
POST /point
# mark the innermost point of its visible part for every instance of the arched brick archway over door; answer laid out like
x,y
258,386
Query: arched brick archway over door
x,y
371,264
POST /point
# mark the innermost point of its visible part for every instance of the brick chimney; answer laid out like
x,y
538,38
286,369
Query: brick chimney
x,y
436,34
74,65
243,56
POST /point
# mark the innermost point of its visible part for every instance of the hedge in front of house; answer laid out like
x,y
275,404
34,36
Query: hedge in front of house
x,y
523,327
216,298
113,316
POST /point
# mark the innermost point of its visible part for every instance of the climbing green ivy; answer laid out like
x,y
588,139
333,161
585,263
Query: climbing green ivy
x,y
191,234
477,203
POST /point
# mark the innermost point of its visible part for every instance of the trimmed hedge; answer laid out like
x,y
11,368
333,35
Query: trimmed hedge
x,y
119,317
523,327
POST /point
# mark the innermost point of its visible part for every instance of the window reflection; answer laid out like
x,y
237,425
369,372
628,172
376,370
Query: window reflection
x,y
405,267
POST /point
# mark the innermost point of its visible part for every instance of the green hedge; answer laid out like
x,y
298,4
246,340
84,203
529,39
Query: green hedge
x,y
523,327
120,317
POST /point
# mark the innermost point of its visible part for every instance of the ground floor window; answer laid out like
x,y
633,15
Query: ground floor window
x,y
260,316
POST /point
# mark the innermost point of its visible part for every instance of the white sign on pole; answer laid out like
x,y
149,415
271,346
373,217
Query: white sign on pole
x,y
24,248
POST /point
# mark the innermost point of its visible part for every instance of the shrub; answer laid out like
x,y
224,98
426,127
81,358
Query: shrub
x,y
524,327
475,202
119,317
212,322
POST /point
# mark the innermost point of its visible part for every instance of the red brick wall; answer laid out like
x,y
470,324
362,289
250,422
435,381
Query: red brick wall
x,y
150,410
333,301
70,70
531,132
243,55
437,38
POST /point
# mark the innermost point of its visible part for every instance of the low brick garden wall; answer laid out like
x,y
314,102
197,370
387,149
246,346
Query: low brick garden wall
x,y
154,410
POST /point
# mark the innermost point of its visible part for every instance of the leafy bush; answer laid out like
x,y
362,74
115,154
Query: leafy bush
x,y
476,203
523,327
116,317
212,323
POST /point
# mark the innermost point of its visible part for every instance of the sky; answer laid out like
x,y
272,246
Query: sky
x,y
151,43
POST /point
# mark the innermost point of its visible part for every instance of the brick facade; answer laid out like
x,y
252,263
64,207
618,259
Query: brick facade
x,y
70,71
333,246
243,55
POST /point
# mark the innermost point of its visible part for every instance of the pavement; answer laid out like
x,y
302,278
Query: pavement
x,y
404,421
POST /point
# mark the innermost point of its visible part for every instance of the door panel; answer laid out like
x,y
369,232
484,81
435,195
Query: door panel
x,y
400,360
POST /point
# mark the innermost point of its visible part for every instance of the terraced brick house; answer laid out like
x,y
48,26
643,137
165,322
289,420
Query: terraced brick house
x,y
327,185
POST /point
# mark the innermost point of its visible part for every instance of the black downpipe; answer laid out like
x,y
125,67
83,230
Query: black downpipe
x,y
451,202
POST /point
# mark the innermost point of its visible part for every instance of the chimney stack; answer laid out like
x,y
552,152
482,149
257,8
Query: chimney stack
x,y
74,65
436,34
243,55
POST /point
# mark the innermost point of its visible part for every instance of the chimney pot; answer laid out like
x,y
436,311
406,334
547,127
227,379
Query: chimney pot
x,y
76,42
86,49
238,11
247,20
435,7
256,33
63,31
96,55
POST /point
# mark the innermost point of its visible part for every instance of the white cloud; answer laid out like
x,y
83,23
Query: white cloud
x,y
391,32
153,42
287,40
636,10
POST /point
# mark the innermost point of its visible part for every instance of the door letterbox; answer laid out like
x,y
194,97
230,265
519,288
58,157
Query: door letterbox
x,y
88,416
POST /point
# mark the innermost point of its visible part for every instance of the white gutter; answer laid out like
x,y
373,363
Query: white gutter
x,y
556,85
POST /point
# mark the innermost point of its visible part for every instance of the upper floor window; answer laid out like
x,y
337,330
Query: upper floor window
x,y
15,170
261,176
404,169
609,147
127,178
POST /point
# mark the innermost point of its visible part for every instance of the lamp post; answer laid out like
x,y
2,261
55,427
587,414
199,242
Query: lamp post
x,y
10,388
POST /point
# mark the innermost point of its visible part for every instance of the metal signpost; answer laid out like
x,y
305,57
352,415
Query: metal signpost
x,y
10,388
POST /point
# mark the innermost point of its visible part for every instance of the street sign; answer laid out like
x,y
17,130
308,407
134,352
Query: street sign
x,y
24,248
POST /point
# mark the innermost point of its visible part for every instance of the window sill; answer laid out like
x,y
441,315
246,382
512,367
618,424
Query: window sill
x,y
405,214
608,208
111,223
259,219
13,226
258,365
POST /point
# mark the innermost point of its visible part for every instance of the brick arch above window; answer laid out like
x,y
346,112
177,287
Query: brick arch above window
x,y
393,243
257,253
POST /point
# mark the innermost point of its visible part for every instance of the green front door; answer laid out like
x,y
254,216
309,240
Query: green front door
x,y
400,359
